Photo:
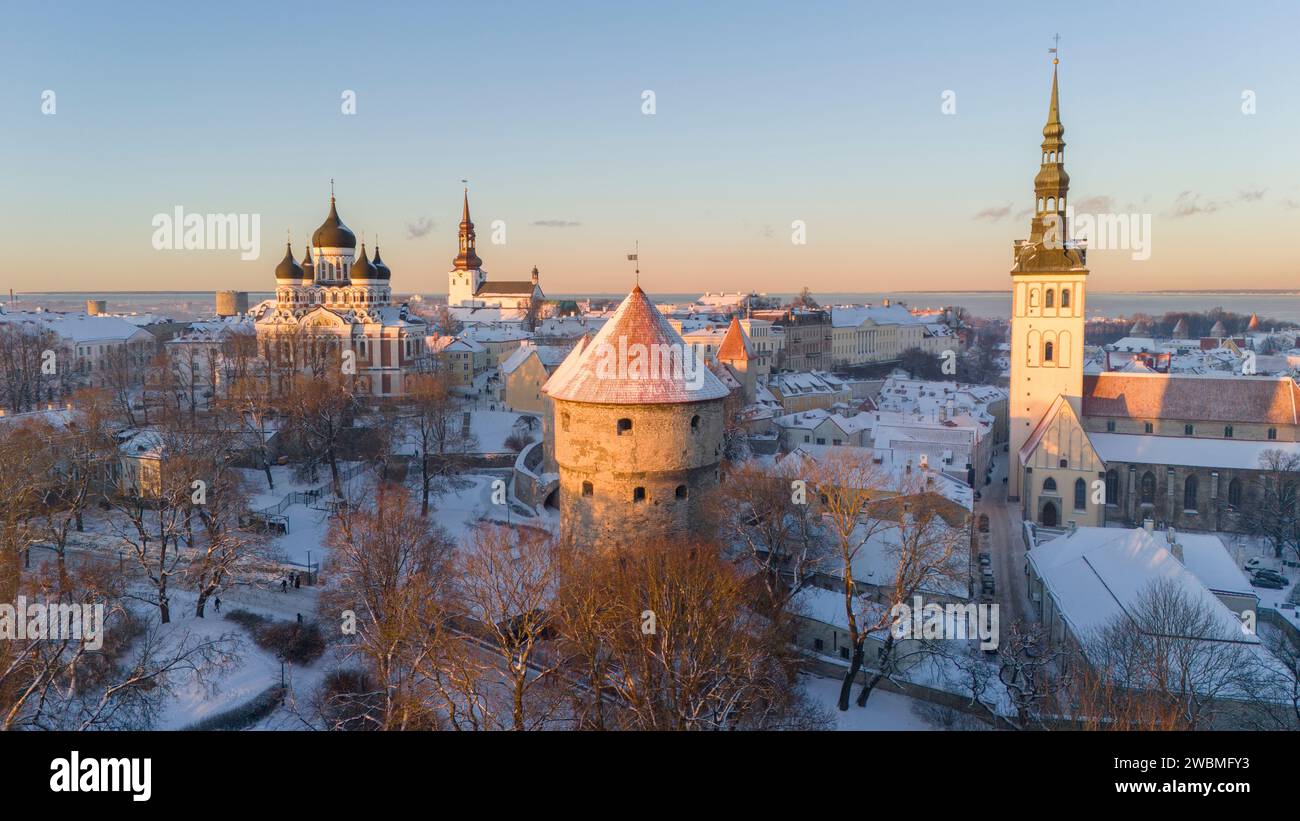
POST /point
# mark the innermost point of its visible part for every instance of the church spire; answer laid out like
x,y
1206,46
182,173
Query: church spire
x,y
1051,184
467,259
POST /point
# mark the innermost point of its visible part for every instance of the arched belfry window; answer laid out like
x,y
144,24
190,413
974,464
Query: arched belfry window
x,y
1049,299
1049,352
1065,297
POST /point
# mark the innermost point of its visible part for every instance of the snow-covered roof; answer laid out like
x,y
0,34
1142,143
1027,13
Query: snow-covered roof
x,y
1098,575
1189,451
636,358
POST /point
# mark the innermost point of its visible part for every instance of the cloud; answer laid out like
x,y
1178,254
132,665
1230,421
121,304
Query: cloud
x,y
993,213
1189,204
1100,204
556,223
1290,204
1253,195
1025,212
417,229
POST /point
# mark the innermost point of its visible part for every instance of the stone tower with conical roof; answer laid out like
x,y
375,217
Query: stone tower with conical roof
x,y
1048,281
637,430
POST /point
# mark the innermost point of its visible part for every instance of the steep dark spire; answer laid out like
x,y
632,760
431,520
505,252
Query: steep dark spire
x,y
467,259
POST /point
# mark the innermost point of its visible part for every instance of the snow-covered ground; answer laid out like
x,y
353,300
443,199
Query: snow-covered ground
x,y
884,710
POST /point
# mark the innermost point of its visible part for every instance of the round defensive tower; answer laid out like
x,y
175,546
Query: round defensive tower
x,y
637,430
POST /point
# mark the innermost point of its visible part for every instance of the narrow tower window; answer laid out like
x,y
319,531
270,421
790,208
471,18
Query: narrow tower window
x,y
624,426
638,494
1049,299
1048,352
681,491
586,488
1065,297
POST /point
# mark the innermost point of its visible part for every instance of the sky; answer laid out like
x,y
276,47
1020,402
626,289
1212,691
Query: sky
x,y
830,114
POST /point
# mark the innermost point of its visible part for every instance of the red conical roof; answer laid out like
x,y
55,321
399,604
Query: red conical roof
x,y
734,345
636,358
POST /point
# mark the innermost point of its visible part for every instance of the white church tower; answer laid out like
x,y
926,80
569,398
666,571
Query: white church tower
x,y
1048,284
467,275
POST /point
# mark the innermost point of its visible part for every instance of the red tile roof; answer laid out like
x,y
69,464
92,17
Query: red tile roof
x,y
1246,399
610,370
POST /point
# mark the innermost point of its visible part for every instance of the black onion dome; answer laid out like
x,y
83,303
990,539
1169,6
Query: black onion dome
x,y
288,267
362,269
333,233
381,269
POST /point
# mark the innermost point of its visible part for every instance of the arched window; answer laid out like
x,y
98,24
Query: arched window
x,y
1049,299
638,494
695,422
1080,494
1065,297
1234,492
1049,485
1148,488
681,491
624,426
1189,493
586,488
1048,350
1112,487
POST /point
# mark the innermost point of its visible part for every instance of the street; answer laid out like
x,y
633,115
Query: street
x,y
1006,546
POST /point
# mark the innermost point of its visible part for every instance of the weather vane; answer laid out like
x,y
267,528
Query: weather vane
x,y
635,256
1056,49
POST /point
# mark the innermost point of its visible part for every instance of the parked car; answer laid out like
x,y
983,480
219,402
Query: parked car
x,y
984,523
1269,582
985,559
1255,563
1270,574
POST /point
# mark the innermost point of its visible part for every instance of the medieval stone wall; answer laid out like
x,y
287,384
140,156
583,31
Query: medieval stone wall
x,y
634,470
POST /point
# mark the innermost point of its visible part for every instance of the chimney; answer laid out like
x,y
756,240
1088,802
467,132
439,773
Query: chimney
x,y
1174,547
1149,525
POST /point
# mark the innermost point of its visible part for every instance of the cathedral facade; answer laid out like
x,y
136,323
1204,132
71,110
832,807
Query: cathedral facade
x,y
341,301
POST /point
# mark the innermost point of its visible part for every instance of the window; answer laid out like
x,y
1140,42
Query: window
x,y
624,426
695,422
1234,493
1189,493
1080,494
1148,488
1049,485
1189,430
564,421
1112,487
1146,427
681,491
638,494
1065,297
586,488
1049,299
818,645
1272,433
1065,463
821,440
1048,349
1110,425
1227,431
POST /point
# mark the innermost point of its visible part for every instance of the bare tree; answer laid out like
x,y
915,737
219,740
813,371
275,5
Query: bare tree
x,y
1272,513
390,571
507,578
436,431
